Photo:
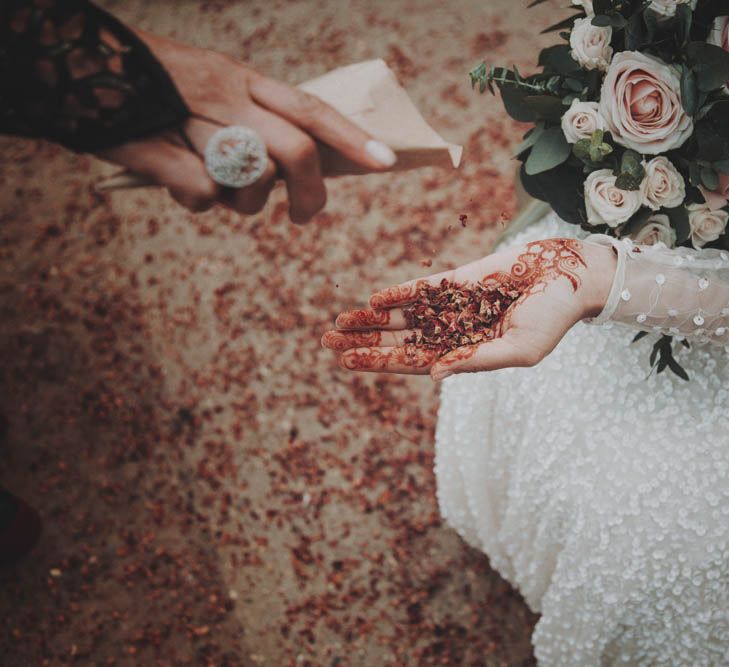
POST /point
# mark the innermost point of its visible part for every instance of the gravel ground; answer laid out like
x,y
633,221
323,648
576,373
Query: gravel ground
x,y
215,490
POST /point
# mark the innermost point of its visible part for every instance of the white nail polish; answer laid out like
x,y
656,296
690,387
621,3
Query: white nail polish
x,y
382,153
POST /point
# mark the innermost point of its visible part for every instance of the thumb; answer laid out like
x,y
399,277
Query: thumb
x,y
503,352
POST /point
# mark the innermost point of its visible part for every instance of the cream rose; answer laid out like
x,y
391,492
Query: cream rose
x,y
663,186
607,204
586,5
641,103
719,36
706,225
657,229
581,120
591,44
667,8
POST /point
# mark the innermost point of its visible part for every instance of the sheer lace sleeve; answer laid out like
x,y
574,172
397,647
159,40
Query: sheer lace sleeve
x,y
70,72
678,292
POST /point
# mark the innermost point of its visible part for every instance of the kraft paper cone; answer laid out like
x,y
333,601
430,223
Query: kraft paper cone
x,y
369,95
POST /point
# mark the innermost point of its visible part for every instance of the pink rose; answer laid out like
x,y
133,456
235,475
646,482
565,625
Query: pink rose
x,y
718,198
706,225
719,36
657,229
641,103
606,203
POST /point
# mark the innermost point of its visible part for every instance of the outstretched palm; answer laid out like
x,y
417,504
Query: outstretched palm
x,y
559,282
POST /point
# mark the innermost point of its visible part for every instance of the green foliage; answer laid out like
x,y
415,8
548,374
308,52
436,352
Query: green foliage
x,y
710,64
594,150
662,358
631,172
555,171
549,151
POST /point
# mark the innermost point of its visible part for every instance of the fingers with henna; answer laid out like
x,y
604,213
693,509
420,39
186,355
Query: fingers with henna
x,y
347,340
388,320
406,360
401,295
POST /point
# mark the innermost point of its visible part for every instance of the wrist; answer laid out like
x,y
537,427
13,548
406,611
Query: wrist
x,y
602,263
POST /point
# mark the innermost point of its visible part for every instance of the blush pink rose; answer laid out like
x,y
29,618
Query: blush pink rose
x,y
641,103
718,198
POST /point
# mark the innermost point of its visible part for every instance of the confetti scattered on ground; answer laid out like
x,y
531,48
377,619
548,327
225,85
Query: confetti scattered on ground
x,y
215,490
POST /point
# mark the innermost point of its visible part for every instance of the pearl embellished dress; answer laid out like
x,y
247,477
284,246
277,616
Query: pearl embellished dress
x,y
600,492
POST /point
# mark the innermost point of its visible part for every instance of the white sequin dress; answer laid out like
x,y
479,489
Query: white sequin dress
x,y
602,496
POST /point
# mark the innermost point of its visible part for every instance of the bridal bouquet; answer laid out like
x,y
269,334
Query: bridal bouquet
x,y
630,121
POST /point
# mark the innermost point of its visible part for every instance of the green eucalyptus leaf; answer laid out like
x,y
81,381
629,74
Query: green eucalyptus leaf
x,y
654,354
530,138
677,368
679,221
635,32
684,19
694,174
710,63
709,178
575,85
722,166
631,164
516,107
628,182
602,21
565,23
689,91
618,21
651,20
546,106
549,152
581,149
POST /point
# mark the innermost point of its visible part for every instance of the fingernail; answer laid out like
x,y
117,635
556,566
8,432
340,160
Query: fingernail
x,y
441,375
380,152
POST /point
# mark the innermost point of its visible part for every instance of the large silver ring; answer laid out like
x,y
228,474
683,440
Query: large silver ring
x,y
235,156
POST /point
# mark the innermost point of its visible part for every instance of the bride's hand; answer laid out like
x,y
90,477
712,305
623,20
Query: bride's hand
x,y
292,123
561,281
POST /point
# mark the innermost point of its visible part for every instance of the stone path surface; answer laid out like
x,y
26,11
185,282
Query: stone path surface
x,y
215,490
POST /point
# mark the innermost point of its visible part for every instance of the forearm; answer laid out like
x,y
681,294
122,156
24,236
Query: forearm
x,y
679,292
601,263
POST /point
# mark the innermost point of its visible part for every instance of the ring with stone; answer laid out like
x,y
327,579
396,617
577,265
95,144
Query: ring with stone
x,y
235,156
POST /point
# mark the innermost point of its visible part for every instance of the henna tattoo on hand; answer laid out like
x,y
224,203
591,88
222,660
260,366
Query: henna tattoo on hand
x,y
374,359
545,261
458,355
396,296
476,314
340,341
363,319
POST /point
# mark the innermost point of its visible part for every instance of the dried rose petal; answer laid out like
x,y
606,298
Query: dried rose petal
x,y
451,315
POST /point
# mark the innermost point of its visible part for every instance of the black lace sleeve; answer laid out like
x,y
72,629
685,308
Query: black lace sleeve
x,y
72,73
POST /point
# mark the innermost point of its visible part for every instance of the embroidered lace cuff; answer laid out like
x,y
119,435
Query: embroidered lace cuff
x,y
680,292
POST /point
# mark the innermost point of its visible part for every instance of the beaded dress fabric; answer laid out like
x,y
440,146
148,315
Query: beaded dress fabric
x,y
600,492
72,73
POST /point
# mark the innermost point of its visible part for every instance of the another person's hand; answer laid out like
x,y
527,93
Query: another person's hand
x,y
291,123
561,281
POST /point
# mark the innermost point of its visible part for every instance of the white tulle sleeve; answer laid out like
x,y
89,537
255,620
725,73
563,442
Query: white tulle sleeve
x,y
680,292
